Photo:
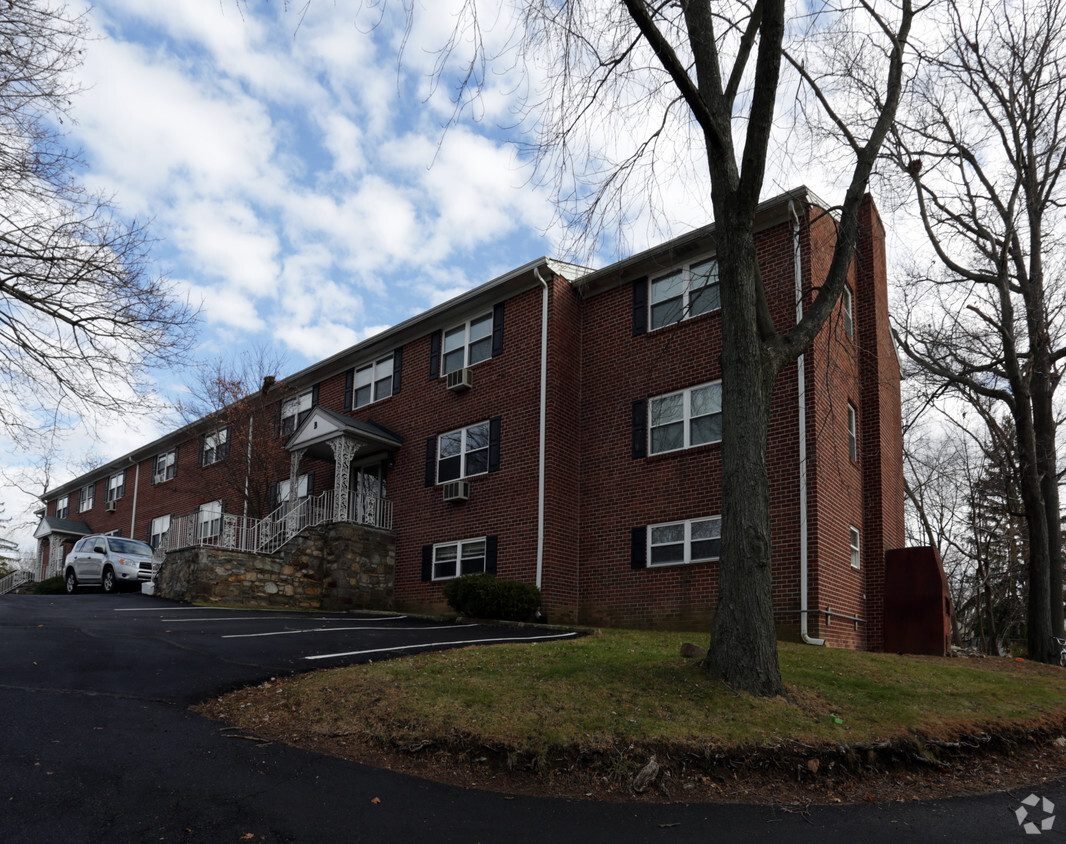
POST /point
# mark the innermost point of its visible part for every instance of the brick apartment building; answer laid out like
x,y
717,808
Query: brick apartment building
x,y
573,419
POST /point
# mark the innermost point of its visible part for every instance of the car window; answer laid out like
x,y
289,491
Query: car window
x,y
130,546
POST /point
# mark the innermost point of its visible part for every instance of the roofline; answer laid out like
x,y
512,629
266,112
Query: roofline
x,y
768,213
516,281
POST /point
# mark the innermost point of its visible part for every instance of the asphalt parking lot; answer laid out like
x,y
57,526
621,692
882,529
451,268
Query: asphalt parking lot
x,y
97,744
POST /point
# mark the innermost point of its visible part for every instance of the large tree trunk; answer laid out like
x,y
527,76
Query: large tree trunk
x,y
743,650
1029,483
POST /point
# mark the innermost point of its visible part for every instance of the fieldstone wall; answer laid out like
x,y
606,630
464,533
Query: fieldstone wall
x,y
335,567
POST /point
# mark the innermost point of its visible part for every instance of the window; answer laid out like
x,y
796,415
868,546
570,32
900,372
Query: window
x,y
294,411
690,541
214,446
166,466
853,433
63,507
116,486
157,530
687,418
453,559
849,318
302,488
468,343
373,382
463,453
855,561
686,292
86,497
209,519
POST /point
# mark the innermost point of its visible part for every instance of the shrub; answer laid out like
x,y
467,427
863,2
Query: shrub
x,y
485,596
51,586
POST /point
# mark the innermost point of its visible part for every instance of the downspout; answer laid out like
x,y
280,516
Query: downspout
x,y
543,424
136,483
801,390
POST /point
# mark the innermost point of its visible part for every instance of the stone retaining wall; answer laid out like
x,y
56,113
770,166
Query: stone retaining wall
x,y
337,567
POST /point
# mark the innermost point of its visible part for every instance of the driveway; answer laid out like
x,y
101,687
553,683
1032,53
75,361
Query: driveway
x,y
97,744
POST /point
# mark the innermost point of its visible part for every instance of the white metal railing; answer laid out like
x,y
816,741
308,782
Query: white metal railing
x,y
267,535
11,582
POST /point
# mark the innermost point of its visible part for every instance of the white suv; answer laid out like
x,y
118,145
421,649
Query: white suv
x,y
107,561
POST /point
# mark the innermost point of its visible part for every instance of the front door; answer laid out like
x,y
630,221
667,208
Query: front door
x,y
367,492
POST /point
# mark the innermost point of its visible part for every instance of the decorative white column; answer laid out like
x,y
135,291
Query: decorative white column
x,y
291,525
343,452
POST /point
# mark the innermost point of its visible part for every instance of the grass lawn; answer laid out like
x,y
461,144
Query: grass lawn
x,y
627,694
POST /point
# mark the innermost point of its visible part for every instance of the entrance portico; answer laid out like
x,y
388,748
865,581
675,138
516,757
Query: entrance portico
x,y
328,435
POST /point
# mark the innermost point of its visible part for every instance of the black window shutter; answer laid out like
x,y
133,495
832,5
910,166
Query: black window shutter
x,y
397,367
640,306
434,355
155,467
314,396
638,544
200,459
497,329
225,446
494,444
431,461
175,461
349,384
490,554
273,505
310,484
427,562
96,489
640,429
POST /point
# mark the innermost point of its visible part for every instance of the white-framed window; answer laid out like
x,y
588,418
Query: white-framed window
x,y
452,559
686,418
295,410
214,447
157,529
302,488
86,497
463,453
209,519
63,507
116,486
687,541
468,343
855,558
372,382
686,292
166,466
853,432
847,305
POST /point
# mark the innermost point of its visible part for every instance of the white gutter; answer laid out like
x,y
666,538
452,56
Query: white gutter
x,y
802,392
543,423
136,483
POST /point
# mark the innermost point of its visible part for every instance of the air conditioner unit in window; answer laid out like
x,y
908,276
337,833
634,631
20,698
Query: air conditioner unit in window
x,y
110,506
457,491
461,379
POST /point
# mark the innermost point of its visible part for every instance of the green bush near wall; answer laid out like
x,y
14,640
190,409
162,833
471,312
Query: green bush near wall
x,y
485,596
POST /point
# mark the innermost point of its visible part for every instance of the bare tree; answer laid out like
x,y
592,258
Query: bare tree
x,y
242,396
982,145
81,317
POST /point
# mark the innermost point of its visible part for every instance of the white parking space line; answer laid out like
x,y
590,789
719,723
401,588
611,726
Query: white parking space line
x,y
436,644
338,629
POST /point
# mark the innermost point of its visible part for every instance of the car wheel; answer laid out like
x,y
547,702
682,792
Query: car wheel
x,y
108,582
72,582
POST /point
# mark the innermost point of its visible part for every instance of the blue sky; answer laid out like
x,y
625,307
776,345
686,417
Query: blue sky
x,y
299,183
